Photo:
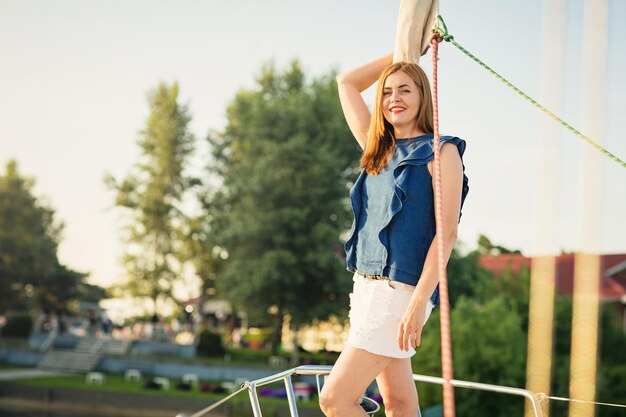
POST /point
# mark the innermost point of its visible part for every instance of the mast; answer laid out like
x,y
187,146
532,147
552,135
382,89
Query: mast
x,y
587,268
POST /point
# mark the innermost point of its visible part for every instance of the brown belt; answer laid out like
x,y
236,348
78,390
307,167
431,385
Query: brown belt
x,y
392,283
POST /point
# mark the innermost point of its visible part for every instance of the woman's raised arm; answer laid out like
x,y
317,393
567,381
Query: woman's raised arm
x,y
351,84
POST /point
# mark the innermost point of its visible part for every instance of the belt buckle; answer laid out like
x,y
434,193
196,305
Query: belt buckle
x,y
396,285
375,277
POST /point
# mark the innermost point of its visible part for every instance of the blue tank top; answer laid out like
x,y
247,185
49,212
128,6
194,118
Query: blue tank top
x,y
394,221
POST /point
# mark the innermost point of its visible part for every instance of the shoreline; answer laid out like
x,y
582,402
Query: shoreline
x,y
21,397
21,405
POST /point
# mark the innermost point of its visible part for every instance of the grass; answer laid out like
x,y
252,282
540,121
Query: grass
x,y
113,383
4,367
250,358
240,404
235,360
116,383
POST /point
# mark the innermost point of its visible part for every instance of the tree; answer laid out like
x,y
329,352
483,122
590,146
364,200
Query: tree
x,y
467,277
611,378
489,327
201,250
284,159
489,346
485,247
153,194
29,237
30,272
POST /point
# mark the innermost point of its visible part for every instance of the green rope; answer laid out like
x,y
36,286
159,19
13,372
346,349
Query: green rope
x,y
442,30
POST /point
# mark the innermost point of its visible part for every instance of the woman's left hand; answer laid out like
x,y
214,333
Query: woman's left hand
x,y
410,328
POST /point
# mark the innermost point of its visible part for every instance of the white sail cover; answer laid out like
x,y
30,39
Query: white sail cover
x,y
415,22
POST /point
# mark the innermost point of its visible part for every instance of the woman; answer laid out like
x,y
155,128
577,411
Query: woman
x,y
392,249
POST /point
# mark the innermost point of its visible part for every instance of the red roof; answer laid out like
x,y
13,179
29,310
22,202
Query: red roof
x,y
500,263
612,267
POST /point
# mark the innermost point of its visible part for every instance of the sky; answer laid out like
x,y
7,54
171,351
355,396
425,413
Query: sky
x,y
74,77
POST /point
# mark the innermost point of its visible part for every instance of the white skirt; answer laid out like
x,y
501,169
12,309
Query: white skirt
x,y
375,312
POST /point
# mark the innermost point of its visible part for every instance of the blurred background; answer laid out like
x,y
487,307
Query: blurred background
x,y
174,196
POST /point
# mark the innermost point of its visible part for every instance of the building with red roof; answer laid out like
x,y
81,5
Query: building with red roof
x,y
612,274
612,267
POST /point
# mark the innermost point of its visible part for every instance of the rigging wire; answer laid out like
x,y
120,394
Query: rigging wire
x,y
441,28
543,397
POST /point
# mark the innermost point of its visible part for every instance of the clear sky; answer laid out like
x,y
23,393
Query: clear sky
x,y
74,75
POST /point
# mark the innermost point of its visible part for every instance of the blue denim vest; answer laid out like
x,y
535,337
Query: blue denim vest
x,y
393,237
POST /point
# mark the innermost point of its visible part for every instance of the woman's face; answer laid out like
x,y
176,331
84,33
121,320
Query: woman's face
x,y
401,99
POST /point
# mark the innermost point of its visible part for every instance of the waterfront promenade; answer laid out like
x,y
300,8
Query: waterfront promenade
x,y
16,374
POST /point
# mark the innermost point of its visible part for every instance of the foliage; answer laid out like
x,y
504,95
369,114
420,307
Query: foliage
x,y
210,344
284,161
489,346
200,249
29,236
261,336
495,356
611,371
612,388
30,272
486,247
489,325
466,277
18,325
152,194
515,289
260,357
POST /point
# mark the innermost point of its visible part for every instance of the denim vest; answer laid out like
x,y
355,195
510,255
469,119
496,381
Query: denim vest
x,y
393,237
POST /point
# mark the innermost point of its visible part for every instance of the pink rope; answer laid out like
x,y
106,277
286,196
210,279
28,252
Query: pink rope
x,y
446,340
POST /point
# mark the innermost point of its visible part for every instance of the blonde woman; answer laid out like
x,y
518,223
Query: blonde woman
x,y
392,248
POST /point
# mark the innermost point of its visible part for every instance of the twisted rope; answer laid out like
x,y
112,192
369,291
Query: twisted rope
x,y
446,340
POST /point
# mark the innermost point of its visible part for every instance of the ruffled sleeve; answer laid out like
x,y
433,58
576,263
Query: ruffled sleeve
x,y
423,154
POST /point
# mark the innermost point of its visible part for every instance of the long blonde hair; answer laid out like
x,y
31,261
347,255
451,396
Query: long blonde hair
x,y
380,136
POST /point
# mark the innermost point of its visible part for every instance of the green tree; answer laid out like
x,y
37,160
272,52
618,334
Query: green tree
x,y
29,236
466,277
611,377
30,272
202,251
486,247
489,346
285,160
153,195
513,286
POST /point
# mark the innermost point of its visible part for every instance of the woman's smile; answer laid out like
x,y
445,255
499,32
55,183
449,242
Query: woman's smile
x,y
400,102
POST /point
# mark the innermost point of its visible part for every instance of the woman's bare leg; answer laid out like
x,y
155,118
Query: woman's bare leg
x,y
397,388
354,370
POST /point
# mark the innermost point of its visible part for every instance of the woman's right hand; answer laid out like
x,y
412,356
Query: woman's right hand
x,y
411,325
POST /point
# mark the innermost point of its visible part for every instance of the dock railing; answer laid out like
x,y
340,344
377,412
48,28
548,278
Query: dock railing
x,y
320,371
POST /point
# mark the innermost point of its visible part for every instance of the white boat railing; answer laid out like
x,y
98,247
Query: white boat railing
x,y
321,370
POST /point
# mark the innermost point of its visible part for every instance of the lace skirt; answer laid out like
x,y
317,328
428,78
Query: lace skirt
x,y
375,312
